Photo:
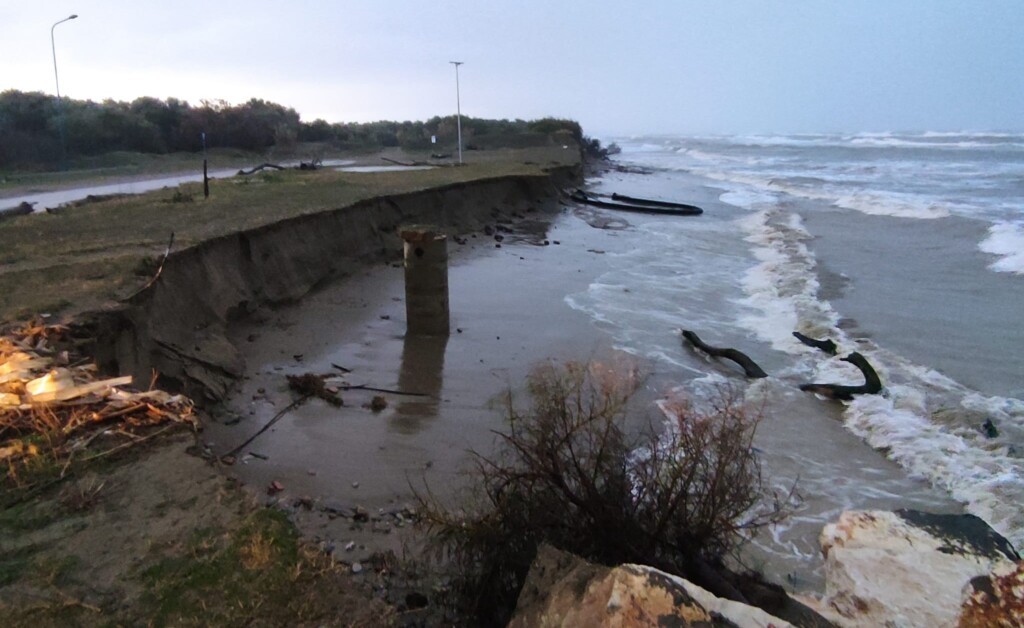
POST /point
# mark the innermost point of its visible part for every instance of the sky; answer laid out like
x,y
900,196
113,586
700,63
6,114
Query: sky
x,y
620,68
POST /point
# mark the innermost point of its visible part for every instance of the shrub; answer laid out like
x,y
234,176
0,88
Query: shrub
x,y
567,473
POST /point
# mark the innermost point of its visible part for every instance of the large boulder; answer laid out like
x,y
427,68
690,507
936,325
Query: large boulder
x,y
996,599
564,590
906,568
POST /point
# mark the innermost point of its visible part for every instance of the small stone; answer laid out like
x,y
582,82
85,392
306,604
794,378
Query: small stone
x,y
378,403
357,567
274,488
351,545
355,485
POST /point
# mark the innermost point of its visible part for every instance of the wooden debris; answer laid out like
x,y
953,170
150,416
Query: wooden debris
x,y
872,384
312,385
828,346
749,366
51,396
260,167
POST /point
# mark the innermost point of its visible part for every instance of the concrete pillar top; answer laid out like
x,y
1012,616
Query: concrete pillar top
x,y
421,233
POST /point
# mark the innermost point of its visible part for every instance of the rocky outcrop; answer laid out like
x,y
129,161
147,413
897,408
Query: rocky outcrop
x,y
564,590
995,600
178,327
910,568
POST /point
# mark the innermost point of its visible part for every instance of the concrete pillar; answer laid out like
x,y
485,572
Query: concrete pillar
x,y
426,281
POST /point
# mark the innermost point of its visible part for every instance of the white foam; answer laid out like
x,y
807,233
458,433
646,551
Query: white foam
x,y
748,199
1006,239
782,288
892,204
991,484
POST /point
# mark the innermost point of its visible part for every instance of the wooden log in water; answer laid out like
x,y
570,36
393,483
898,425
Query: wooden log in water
x,y
828,346
749,366
872,384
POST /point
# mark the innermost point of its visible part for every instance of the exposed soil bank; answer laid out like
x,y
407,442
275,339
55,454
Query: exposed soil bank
x,y
177,327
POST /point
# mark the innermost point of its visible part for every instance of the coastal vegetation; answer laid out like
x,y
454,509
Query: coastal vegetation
x,y
569,472
31,124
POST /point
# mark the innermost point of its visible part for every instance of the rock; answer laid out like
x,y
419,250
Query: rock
x,y
905,568
274,487
357,567
415,600
996,599
563,590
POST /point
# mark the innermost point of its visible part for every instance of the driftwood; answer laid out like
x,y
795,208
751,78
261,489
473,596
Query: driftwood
x,y
405,163
655,203
872,384
827,346
277,417
21,209
159,270
261,167
749,366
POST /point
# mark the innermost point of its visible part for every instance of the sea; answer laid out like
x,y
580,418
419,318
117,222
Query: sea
x,y
905,247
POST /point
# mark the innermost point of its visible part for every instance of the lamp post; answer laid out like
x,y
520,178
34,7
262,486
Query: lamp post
x,y
458,106
60,110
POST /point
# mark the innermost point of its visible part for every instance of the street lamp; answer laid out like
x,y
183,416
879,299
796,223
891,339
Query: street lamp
x,y
458,105
60,111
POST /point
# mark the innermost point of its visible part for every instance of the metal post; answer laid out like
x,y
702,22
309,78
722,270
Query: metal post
x,y
60,109
458,106
206,178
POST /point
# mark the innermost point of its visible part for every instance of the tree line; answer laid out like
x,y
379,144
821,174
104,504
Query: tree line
x,y
31,124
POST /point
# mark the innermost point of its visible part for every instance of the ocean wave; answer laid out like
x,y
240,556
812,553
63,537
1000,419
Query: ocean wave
x,y
925,421
782,288
1006,240
893,204
896,142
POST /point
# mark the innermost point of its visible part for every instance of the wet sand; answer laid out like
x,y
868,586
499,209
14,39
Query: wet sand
x,y
508,312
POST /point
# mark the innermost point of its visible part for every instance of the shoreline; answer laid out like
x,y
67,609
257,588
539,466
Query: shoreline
x,y
352,457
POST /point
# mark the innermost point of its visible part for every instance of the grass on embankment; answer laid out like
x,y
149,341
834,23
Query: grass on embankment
x,y
160,539
88,256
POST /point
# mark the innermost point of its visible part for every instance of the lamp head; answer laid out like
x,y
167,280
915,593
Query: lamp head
x,y
72,16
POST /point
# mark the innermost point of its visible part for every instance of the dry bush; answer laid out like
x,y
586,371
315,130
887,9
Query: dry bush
x,y
567,473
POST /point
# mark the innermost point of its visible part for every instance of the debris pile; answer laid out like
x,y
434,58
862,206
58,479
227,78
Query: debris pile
x,y
55,409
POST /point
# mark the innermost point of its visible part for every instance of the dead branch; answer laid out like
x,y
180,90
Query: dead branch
x,y
827,346
277,417
872,384
405,163
160,269
749,366
262,166
384,390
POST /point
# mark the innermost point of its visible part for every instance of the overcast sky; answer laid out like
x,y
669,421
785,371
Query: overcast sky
x,y
623,67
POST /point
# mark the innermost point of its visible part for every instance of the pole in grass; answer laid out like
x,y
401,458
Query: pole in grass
x,y
206,178
56,79
458,106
